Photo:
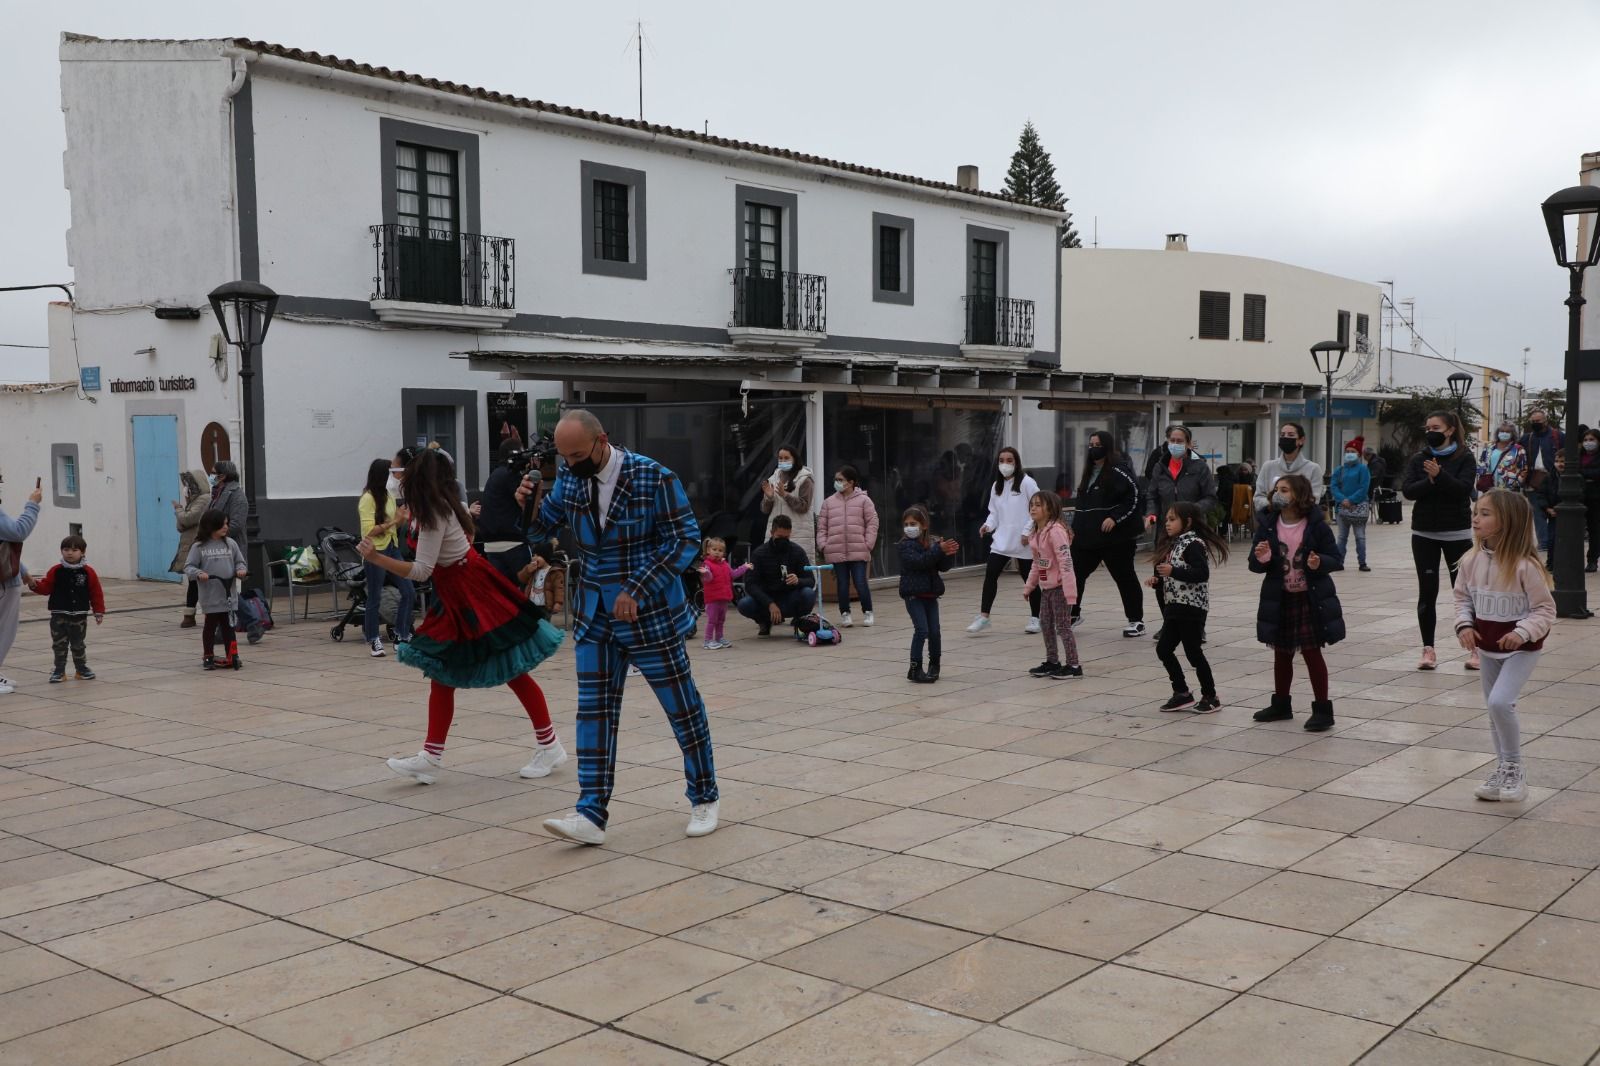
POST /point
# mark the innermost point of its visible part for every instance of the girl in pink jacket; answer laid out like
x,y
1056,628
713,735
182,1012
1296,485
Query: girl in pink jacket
x,y
1052,572
847,531
716,581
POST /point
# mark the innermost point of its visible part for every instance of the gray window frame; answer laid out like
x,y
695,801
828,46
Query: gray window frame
x,y
1254,301
466,453
1002,281
392,131
590,172
57,497
907,294
787,202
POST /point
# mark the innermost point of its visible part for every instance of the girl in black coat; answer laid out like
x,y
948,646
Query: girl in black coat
x,y
1106,527
1297,551
923,559
1440,479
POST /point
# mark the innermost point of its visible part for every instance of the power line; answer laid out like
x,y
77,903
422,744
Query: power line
x,y
42,347
1401,315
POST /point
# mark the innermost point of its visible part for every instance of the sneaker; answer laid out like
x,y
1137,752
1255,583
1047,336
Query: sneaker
x,y
1044,669
57,676
979,624
546,757
1514,790
1179,701
6,686
1032,626
576,828
208,663
844,621
1428,661
867,619
1207,705
377,647
724,644
709,645
702,820
424,768
1492,785
1364,568
85,674
236,662
1133,629
1061,673
633,671
1077,620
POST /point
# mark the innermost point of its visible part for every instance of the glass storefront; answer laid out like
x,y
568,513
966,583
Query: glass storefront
x,y
1132,429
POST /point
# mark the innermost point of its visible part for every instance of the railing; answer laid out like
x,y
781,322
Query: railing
x,y
999,321
431,266
779,299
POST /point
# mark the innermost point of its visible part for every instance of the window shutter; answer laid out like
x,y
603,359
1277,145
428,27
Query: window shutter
x,y
1255,317
1214,315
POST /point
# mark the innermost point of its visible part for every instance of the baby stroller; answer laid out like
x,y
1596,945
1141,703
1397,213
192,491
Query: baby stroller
x,y
342,565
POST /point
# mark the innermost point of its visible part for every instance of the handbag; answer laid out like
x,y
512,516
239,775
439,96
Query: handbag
x,y
1485,481
10,560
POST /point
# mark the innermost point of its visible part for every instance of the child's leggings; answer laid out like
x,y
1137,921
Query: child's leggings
x,y
1055,624
1188,631
1502,682
442,709
1316,668
716,615
217,630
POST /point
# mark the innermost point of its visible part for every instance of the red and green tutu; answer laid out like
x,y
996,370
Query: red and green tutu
x,y
480,631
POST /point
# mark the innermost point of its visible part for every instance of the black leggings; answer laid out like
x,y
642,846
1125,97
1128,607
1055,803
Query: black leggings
x,y
1426,554
217,631
1118,557
1188,631
991,581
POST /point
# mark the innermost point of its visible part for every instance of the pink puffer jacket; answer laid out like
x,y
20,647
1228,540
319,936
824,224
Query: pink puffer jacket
x,y
847,528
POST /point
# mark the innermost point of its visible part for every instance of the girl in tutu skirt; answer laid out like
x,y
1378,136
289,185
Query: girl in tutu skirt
x,y
480,631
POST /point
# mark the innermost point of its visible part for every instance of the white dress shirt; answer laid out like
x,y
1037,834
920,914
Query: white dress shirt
x,y
607,478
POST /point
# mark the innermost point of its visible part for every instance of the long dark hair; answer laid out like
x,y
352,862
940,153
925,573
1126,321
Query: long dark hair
x,y
1194,521
786,480
378,487
211,521
1016,476
1301,495
431,492
1112,457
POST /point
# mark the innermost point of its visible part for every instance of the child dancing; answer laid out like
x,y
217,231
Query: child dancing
x,y
716,581
922,559
1183,575
1051,572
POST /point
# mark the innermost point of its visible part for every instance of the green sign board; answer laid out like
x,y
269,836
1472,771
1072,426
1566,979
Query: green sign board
x,y
546,413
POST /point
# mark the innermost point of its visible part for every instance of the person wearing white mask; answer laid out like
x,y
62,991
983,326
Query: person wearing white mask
x,y
1006,526
789,491
1504,463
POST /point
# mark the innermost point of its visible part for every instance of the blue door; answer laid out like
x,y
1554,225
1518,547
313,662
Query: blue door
x,y
155,487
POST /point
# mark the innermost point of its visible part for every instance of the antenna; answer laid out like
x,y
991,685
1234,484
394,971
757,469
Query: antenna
x,y
1097,231
638,40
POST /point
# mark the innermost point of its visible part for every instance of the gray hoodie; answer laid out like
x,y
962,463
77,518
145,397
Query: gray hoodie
x,y
221,561
1277,467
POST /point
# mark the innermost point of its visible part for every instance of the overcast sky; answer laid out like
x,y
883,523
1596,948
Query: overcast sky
x,y
1375,140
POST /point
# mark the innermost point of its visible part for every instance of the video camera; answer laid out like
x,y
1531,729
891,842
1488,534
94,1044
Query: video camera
x,y
533,456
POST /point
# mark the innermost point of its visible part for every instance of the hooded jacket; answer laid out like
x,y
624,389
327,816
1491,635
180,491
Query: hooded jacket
x,y
796,504
197,498
847,529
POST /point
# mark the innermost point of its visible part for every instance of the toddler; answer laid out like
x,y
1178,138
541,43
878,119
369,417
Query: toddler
x,y
214,561
1052,572
74,591
716,581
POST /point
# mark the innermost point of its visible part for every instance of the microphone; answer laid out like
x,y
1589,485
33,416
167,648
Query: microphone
x,y
532,501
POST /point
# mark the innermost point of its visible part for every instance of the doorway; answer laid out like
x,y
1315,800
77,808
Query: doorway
x,y
155,488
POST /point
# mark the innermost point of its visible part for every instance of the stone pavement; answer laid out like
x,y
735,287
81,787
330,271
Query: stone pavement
x,y
218,868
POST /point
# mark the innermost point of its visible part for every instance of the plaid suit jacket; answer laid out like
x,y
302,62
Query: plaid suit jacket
x,y
650,538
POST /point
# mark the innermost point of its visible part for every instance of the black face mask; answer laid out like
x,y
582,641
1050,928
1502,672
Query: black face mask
x,y
1288,444
585,467
1538,428
1436,439
1097,453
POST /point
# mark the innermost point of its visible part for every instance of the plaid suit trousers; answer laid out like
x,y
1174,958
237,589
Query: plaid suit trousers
x,y
602,670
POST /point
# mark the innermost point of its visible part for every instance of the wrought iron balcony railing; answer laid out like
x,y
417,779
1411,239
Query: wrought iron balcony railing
x,y
779,299
999,321
431,266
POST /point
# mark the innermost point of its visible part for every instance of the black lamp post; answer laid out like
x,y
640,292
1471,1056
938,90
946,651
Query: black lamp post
x,y
1460,385
244,311
1580,203
1328,356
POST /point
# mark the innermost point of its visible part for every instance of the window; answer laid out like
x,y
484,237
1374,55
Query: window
x,y
1214,315
437,423
613,226
67,473
1255,317
430,214
449,416
1363,338
1343,327
893,267
64,475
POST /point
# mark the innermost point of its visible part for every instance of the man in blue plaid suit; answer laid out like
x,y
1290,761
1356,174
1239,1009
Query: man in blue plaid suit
x,y
636,535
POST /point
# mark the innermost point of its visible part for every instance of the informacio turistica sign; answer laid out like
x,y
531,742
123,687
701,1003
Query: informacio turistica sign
x,y
178,384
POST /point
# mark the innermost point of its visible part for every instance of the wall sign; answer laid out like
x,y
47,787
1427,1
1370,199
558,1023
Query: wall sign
x,y
321,419
508,417
89,378
178,384
546,414
214,446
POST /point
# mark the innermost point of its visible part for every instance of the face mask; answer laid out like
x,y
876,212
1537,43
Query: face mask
x,y
913,532
1435,439
1097,453
1177,451
1007,469
1351,458
585,467
838,485
393,486
1502,437
211,480
1288,444
1538,428
785,466
1280,500
1591,445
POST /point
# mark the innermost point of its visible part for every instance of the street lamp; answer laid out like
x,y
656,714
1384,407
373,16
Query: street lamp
x,y
1574,207
1328,357
244,311
1460,385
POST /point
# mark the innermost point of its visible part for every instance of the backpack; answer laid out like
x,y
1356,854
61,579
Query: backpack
x,y
815,630
253,615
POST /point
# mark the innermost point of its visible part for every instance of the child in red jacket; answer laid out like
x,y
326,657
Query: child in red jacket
x,y
74,591
716,580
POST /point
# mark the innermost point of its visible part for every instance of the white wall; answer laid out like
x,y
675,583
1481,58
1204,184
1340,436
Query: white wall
x,y
1135,311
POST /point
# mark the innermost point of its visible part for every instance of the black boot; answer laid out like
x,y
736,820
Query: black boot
x,y
933,668
1281,710
916,668
1321,719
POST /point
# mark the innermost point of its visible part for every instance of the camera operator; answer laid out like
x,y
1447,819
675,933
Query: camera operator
x,y
500,520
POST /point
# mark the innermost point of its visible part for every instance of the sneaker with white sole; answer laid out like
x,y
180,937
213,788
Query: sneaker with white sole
x,y
979,624
1033,626
1490,789
422,767
845,622
633,671
1077,620
6,686
702,820
1133,629
867,619
377,647
1513,789
546,757
576,828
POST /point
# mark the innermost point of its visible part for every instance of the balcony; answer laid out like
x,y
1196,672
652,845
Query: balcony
x,y
430,277
778,309
998,327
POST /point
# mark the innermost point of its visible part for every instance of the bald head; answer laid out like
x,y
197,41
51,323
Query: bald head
x,y
579,436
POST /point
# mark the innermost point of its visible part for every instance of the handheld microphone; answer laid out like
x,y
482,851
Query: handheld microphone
x,y
528,506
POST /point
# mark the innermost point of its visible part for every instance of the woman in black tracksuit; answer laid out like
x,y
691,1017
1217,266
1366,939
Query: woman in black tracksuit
x,y
1106,527
1440,479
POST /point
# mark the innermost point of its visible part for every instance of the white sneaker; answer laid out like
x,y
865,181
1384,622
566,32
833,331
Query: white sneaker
x,y
1033,625
377,647
1514,789
6,686
422,766
709,645
1490,789
702,820
844,621
719,645
633,671
1133,629
867,620
576,828
979,624
545,758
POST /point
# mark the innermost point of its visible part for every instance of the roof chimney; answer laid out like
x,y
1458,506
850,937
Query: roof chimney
x,y
967,177
1177,242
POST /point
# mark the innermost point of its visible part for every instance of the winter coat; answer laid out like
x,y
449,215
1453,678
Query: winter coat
x,y
198,499
847,528
768,580
716,579
920,567
1114,495
15,531
1510,472
1186,591
1541,449
1052,561
1443,504
1008,519
1194,484
221,561
796,505
1351,482
231,502
1485,604
73,590
1589,470
1326,615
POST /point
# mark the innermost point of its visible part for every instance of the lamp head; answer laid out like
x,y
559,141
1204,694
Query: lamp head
x,y
244,311
1328,355
1460,384
1564,216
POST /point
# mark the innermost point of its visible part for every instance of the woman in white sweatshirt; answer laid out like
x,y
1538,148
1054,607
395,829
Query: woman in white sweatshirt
x,y
1007,526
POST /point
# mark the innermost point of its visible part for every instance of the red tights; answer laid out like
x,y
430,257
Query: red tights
x,y
442,709
1283,671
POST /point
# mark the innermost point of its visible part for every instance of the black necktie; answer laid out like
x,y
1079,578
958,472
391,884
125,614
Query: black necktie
x,y
594,503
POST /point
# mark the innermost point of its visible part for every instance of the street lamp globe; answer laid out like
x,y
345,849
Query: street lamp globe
x,y
1328,355
1580,205
1460,384
244,310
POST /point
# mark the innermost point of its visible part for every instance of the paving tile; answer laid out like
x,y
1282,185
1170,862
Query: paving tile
x,y
586,889
883,1031
526,958
1507,882
153,932
1167,828
735,1011
217,1046
446,932
1071,813
1454,928
989,979
1569,845
890,882
28,965
1239,799
1582,902
683,903
1405,1047
871,952
1117,1011
388,906
1376,861
988,845
987,903
111,1036
1366,981
1533,1017
1083,862
1324,810
37,895
490,1034
324,1027
1217,950
994,1046
1295,1034
825,815
632,979
321,888
1455,830
178,967
606,1047
1301,901
1098,924
51,1003
1188,881
1562,949
1261,843
801,864
263,990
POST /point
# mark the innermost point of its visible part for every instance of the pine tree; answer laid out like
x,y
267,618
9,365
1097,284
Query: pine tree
x,y
1032,180
1069,234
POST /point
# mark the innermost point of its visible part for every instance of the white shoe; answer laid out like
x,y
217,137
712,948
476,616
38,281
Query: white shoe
x,y
422,766
377,647
1033,625
868,620
702,820
545,758
576,828
1133,629
6,686
1490,789
633,671
844,621
1514,789
979,624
